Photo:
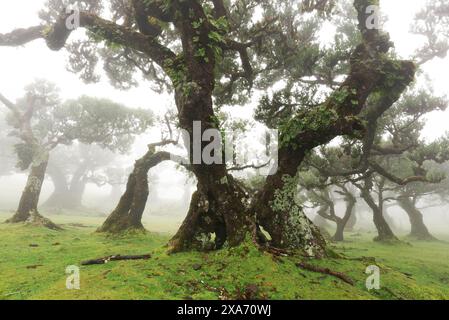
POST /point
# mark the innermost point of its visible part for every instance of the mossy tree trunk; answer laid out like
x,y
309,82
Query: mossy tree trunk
x,y
218,206
279,213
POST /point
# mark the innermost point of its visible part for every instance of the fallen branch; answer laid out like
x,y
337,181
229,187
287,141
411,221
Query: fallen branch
x,y
339,275
115,258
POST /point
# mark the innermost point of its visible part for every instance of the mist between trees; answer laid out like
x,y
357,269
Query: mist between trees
x,y
349,116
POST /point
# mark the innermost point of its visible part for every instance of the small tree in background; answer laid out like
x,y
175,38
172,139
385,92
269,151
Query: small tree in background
x,y
41,122
73,167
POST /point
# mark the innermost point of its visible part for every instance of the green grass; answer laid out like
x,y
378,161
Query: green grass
x,y
415,271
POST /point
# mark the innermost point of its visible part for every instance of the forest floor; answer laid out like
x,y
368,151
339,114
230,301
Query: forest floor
x,y
33,262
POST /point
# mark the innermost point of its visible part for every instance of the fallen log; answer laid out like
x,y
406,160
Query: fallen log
x,y
327,271
115,258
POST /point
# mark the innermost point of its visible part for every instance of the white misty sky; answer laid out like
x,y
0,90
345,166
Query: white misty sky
x,y
20,66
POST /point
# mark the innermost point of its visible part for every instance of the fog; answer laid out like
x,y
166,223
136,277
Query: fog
x,y
170,186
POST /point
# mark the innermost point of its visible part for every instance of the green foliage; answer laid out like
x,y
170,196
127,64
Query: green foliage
x,y
101,121
42,122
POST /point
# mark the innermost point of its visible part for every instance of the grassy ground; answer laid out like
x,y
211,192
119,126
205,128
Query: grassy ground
x,y
408,271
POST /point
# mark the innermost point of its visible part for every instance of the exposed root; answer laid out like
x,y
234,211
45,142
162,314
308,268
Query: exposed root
x,y
35,219
276,251
327,271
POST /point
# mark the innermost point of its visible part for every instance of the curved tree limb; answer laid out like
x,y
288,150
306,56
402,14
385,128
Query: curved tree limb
x,y
56,36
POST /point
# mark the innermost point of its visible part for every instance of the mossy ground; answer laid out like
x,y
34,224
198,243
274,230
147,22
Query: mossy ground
x,y
408,271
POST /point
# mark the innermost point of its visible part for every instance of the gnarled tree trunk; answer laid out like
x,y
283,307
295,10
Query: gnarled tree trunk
x,y
384,232
279,214
127,216
419,230
27,210
342,223
218,206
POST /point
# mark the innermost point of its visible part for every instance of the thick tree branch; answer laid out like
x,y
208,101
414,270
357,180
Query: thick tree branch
x,y
20,37
56,36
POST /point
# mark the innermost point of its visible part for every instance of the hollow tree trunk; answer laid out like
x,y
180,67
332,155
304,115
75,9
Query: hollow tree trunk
x,y
127,216
418,228
27,210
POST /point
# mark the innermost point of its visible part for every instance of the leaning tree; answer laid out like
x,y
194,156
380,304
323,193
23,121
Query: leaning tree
x,y
41,122
213,52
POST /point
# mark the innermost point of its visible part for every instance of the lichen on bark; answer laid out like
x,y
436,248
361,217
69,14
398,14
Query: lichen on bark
x,y
297,230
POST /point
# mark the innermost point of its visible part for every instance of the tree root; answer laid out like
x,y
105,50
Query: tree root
x,y
327,271
275,251
115,258
37,220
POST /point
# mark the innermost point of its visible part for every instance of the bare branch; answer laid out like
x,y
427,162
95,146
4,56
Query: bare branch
x,y
397,180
